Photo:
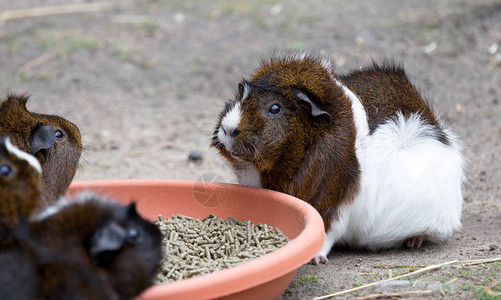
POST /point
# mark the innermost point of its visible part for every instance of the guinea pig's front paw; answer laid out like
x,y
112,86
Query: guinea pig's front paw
x,y
319,259
414,241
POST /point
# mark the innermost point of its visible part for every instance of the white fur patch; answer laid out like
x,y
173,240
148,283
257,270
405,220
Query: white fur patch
x,y
337,231
249,176
229,122
327,64
300,55
23,155
359,116
410,185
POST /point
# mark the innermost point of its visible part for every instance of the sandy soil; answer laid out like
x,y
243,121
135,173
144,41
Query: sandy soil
x,y
145,81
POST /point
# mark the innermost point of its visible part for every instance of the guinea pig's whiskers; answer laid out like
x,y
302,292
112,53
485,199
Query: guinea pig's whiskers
x,y
84,161
85,148
203,139
89,148
87,132
248,147
252,144
205,122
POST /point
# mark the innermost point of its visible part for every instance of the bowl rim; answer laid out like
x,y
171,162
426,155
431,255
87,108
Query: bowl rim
x,y
250,274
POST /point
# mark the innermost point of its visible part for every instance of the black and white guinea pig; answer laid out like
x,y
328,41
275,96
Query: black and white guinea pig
x,y
19,184
112,251
365,149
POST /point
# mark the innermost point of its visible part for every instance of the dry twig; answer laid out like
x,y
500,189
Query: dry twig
x,y
479,261
53,10
37,61
425,269
397,266
409,293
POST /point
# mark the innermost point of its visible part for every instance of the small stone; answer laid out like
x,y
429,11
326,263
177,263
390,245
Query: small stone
x,y
428,49
195,156
493,48
179,17
276,9
493,247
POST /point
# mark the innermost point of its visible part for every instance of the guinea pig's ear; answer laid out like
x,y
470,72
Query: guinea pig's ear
x,y
243,89
107,239
315,111
43,137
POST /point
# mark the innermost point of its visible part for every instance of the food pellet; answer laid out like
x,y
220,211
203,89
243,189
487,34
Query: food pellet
x,y
195,247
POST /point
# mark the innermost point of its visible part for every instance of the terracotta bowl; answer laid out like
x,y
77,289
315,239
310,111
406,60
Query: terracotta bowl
x,y
264,278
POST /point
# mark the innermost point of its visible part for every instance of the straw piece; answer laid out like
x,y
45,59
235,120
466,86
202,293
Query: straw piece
x,y
37,61
391,295
479,261
397,266
53,10
425,269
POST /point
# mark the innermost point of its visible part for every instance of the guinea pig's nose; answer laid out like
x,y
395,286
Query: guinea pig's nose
x,y
234,132
42,138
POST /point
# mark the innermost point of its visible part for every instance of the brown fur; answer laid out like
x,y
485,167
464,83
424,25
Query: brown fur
x,y
19,192
59,163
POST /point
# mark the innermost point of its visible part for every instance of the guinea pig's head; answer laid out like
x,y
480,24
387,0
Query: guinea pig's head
x,y
129,248
53,140
282,108
19,178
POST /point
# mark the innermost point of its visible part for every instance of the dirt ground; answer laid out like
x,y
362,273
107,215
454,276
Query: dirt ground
x,y
145,80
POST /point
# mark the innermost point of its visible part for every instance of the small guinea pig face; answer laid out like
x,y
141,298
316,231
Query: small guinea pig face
x,y
19,177
255,123
16,165
54,141
124,234
60,161
262,121
127,244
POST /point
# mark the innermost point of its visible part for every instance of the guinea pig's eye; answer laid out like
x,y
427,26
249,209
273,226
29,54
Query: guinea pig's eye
x,y
275,109
6,171
132,234
59,134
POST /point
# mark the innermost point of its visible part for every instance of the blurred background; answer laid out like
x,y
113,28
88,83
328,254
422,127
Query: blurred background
x,y
145,80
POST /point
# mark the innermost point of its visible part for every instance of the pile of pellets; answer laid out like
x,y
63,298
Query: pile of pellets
x,y
196,247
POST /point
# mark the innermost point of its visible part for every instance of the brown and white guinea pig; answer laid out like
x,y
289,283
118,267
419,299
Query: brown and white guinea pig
x,y
19,185
364,149
113,240
54,141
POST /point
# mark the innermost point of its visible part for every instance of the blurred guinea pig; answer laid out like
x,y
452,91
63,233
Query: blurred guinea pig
x,y
19,190
365,149
30,270
54,141
103,238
